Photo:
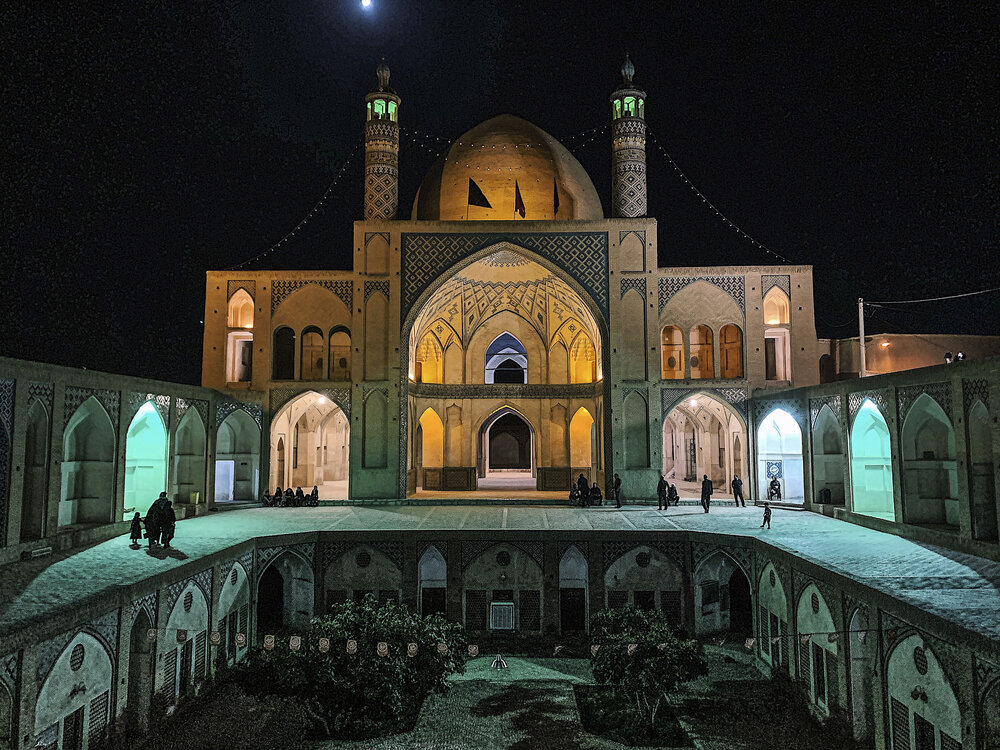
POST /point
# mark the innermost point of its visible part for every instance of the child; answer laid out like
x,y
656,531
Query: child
x,y
136,533
767,516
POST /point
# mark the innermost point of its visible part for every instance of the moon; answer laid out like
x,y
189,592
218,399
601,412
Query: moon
x,y
366,3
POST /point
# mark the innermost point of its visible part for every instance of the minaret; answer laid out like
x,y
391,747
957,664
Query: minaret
x,y
628,147
381,149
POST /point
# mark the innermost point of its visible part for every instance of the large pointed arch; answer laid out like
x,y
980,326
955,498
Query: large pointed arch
x,y
190,458
237,458
871,463
35,489
703,434
145,457
310,445
88,468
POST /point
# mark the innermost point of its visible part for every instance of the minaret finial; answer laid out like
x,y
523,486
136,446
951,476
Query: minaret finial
x,y
628,70
382,71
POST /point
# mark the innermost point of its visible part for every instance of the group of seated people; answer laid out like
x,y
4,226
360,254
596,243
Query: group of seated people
x,y
582,495
289,499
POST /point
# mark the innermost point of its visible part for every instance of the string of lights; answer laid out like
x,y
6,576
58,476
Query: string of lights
x,y
305,220
931,299
704,199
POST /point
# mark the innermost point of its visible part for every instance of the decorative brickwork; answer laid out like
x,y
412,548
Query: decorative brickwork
x,y
734,286
768,282
248,285
638,283
940,392
281,289
75,396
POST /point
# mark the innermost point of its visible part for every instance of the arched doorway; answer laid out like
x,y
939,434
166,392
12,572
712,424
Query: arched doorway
x,y
573,587
430,450
145,458
285,592
740,603
582,444
35,491
64,718
703,435
871,467
140,672
828,458
927,714
88,467
647,579
930,477
310,446
722,596
507,448
432,573
779,456
270,601
237,459
190,459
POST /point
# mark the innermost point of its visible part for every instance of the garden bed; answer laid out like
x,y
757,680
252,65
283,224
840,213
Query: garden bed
x,y
612,717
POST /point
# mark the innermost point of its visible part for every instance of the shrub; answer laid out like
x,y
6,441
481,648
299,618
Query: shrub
x,y
659,661
359,695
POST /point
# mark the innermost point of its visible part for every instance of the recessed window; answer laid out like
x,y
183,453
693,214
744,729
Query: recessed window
x,y
188,601
76,657
363,560
503,558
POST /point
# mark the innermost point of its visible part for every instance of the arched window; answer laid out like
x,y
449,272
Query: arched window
x,y
379,109
702,360
731,351
508,351
240,310
671,353
630,106
776,308
642,108
312,365
871,465
283,354
340,353
616,110
392,111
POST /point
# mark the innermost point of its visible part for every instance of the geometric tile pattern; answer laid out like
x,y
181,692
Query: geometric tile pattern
x,y
369,236
507,390
816,404
640,233
202,579
266,554
735,397
10,666
976,389
199,405
763,407
233,286
628,172
44,392
582,255
147,603
330,553
110,400
381,169
734,286
675,551
634,282
281,289
136,400
986,673
784,283
224,408
740,555
940,392
854,401
7,404
376,286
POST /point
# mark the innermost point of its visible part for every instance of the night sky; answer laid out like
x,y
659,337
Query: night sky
x,y
146,145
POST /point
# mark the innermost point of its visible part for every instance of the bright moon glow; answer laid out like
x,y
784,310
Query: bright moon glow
x,y
366,3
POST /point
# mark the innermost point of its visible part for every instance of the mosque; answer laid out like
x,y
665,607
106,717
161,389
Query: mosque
x,y
506,338
509,336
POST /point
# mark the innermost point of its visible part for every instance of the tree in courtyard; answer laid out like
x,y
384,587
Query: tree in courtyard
x,y
372,691
641,658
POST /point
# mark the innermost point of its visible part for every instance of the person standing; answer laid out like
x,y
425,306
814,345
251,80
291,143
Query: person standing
x,y
706,492
737,485
583,486
661,493
767,516
617,489
135,533
154,522
169,523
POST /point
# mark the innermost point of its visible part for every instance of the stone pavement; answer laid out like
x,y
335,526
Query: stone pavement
x,y
957,587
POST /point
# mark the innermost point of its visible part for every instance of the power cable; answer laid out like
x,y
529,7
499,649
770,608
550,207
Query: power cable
x,y
932,299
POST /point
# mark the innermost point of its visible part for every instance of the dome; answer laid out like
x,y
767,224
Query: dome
x,y
496,154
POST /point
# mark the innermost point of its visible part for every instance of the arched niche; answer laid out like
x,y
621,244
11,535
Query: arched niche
x,y
506,360
283,354
312,364
507,446
582,359
631,357
722,594
702,349
817,664
731,351
772,618
233,613
636,426
240,310
376,336
145,458
190,443
776,307
922,702
574,578
310,446
430,451
285,594
930,478
340,353
35,490
582,443
429,360
862,650
186,662
237,459
871,468
503,573
982,481
141,672
88,467
779,455
648,579
828,457
360,571
376,424
432,582
239,338
68,716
